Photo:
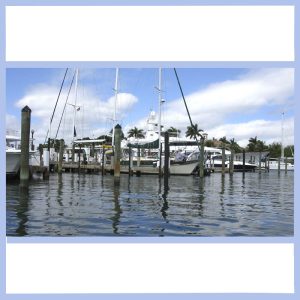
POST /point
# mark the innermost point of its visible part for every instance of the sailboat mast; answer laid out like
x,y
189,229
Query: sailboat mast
x,y
159,113
115,106
282,147
75,108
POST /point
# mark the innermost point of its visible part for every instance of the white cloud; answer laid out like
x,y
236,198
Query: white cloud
x,y
268,131
94,114
12,123
218,107
212,106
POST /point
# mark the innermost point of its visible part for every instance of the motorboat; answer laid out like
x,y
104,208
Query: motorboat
x,y
13,154
272,164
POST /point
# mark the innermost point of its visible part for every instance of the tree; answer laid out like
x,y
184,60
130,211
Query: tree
x,y
275,150
235,146
173,131
252,144
224,140
136,133
193,131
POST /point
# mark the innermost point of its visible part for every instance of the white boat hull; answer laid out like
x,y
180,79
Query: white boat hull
x,y
13,162
186,168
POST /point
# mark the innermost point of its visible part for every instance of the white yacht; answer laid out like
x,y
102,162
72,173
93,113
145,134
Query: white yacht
x,y
13,154
273,164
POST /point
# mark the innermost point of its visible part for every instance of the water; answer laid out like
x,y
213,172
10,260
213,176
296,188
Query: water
x,y
90,205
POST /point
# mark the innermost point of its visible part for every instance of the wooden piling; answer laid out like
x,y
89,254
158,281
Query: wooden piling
x,y
25,137
129,161
278,165
201,158
79,158
285,165
73,153
167,158
259,162
223,161
103,162
61,155
117,152
244,160
231,166
138,163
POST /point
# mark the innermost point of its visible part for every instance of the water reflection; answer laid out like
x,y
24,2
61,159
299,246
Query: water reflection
x,y
117,209
87,204
22,210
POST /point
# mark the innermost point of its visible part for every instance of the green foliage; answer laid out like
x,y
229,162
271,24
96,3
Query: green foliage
x,y
173,131
136,133
193,131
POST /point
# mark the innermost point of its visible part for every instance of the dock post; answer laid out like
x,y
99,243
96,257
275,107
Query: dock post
x,y
25,137
278,165
259,162
201,160
117,153
103,162
129,162
285,165
167,156
61,154
73,153
138,163
79,158
223,161
244,160
231,166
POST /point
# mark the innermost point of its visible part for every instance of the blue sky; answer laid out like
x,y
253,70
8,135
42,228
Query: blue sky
x,y
239,103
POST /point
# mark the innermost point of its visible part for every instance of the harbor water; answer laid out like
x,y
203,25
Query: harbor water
x,y
70,204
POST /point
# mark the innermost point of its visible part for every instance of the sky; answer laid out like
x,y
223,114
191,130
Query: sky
x,y
232,102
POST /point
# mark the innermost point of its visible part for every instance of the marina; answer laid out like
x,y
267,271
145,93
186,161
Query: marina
x,y
144,182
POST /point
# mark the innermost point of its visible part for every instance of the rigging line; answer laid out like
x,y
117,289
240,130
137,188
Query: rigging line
x,y
56,103
186,107
65,105
62,84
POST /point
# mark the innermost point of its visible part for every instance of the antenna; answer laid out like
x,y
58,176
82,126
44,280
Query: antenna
x,y
115,106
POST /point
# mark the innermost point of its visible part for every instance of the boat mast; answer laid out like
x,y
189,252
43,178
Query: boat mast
x,y
159,114
75,108
282,147
115,107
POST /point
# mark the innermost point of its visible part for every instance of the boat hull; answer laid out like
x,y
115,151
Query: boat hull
x,y
13,159
187,168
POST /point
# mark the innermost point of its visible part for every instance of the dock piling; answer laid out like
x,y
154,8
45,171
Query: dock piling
x,y
167,158
278,165
259,162
285,165
201,160
25,137
61,154
231,166
117,152
223,161
244,160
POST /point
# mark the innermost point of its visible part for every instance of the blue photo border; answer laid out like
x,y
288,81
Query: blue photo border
x,y
4,65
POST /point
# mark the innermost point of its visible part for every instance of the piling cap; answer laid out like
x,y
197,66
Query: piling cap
x,y
118,126
26,109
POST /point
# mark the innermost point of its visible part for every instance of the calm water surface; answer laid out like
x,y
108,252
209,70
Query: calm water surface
x,y
90,205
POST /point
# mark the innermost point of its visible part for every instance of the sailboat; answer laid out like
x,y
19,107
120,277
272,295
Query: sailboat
x,y
153,162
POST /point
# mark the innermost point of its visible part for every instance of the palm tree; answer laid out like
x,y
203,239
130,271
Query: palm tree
x,y
193,131
252,144
234,145
173,131
224,140
136,133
